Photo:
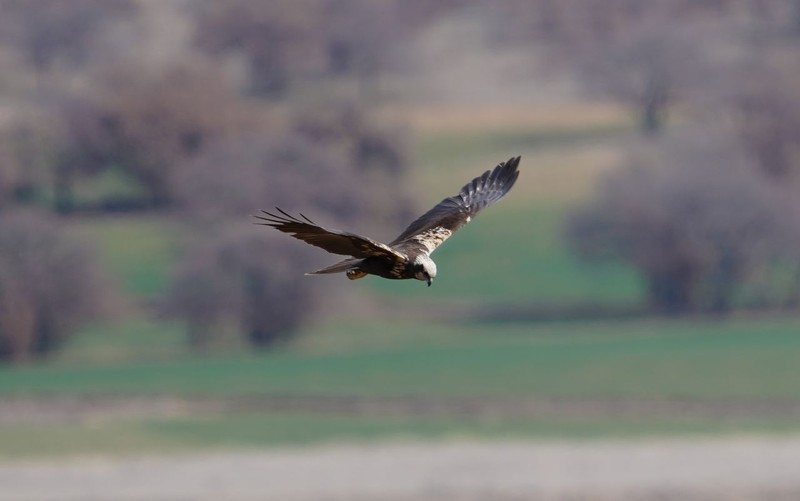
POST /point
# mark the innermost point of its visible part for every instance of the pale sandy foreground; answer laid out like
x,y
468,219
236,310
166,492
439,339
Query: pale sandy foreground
x,y
751,468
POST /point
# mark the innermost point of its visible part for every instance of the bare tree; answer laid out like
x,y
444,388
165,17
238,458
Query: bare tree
x,y
285,41
336,167
277,38
237,176
646,55
338,162
49,30
26,153
763,111
364,38
769,126
662,59
246,280
49,286
147,124
695,218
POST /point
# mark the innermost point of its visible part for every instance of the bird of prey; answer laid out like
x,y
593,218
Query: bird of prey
x,y
408,255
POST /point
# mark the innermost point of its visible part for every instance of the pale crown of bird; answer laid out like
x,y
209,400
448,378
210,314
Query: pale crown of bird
x,y
424,267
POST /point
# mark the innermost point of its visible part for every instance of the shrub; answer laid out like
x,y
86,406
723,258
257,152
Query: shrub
x,y
247,280
47,31
276,39
146,124
26,148
49,286
337,169
337,163
695,217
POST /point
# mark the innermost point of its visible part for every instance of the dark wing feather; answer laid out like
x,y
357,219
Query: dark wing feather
x,y
436,225
333,241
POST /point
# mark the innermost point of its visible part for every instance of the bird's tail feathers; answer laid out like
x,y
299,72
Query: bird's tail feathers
x,y
346,265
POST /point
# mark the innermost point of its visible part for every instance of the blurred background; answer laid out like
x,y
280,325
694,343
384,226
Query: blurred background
x,y
642,280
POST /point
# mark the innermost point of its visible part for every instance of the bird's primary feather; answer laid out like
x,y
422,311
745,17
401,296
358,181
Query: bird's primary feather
x,y
332,240
452,213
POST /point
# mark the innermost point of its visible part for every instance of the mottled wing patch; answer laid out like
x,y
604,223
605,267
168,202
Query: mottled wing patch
x,y
454,212
432,238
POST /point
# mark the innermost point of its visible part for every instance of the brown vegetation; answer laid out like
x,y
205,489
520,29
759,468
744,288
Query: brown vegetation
x,y
695,218
49,31
702,214
336,164
146,124
49,286
26,151
244,281
223,116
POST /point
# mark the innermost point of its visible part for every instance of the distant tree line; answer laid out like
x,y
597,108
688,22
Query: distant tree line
x,y
708,210
652,56
204,111
103,91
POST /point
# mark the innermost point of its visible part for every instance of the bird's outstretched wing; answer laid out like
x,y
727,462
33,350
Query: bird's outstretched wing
x,y
333,241
435,226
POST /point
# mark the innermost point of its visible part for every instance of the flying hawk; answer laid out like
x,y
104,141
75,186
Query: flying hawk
x,y
408,255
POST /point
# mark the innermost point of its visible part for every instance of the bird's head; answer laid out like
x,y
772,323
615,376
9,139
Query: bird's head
x,y
424,269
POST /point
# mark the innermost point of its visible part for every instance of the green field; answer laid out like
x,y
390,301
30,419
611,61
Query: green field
x,y
138,252
531,265
704,360
754,361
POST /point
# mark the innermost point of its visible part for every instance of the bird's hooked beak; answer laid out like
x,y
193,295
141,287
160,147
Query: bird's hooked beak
x,y
430,281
